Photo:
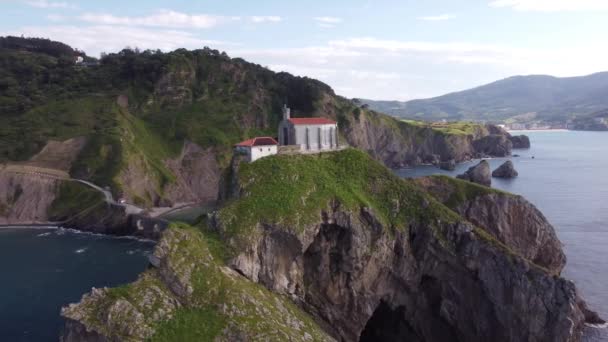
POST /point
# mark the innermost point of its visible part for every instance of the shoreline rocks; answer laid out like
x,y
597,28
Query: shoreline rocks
x,y
506,170
520,141
479,174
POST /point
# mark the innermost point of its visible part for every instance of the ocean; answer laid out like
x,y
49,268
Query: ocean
x,y
45,269
565,174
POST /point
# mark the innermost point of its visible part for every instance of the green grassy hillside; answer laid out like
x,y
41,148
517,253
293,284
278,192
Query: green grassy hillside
x,y
137,109
291,191
202,96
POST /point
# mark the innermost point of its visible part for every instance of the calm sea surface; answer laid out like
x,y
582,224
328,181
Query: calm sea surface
x,y
568,181
44,269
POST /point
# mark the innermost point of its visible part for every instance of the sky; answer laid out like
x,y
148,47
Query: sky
x,y
382,49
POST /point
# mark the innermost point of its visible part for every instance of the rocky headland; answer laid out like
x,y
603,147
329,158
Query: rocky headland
x,y
335,246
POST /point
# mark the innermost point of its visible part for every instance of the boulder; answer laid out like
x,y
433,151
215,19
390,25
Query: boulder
x,y
449,165
479,174
520,141
506,170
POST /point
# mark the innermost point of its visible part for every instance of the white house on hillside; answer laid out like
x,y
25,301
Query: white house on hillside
x,y
311,134
257,148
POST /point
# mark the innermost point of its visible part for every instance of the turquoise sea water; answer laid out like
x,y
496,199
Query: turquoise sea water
x,y
44,269
568,181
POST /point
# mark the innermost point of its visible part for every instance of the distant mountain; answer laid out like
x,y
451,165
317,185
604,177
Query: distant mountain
x,y
516,99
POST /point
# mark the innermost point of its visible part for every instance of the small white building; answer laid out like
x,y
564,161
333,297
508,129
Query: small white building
x,y
257,148
311,134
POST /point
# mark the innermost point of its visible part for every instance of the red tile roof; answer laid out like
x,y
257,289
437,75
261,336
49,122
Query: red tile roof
x,y
312,121
258,141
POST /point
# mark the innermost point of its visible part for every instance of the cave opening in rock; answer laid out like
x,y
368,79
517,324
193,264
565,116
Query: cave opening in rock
x,y
388,324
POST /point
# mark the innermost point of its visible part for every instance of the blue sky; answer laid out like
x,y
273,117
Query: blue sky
x,y
382,49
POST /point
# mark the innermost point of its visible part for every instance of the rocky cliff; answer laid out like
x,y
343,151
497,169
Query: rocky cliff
x,y
189,296
377,259
369,256
400,143
25,199
509,218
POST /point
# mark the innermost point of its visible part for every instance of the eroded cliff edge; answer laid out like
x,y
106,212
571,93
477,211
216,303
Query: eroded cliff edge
x,y
369,256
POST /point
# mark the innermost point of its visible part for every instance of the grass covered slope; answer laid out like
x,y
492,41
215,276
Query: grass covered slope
x,y
292,191
75,199
191,296
455,128
454,192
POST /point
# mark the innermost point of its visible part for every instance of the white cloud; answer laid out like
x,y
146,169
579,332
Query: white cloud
x,y
162,18
417,46
327,22
48,4
552,5
266,19
441,17
173,19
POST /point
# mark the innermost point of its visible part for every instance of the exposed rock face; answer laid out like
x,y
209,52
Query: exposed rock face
x,y
25,199
520,141
397,144
197,176
479,174
493,145
189,281
506,170
509,218
59,154
356,274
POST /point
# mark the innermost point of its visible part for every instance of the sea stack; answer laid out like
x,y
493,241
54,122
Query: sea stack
x,y
520,141
506,170
479,174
